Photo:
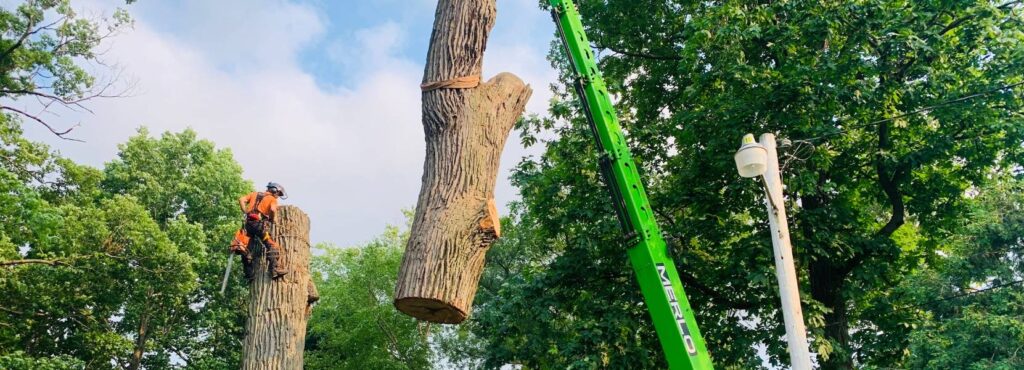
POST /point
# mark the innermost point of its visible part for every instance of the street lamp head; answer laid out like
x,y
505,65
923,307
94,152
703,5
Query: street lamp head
x,y
752,158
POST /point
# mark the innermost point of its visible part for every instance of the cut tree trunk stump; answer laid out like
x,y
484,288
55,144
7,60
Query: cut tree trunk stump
x,y
275,331
466,124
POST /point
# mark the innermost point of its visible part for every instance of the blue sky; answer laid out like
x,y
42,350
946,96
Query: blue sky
x,y
341,26
336,82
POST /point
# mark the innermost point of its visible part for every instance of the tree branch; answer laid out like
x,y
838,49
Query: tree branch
x,y
21,40
19,313
954,24
29,32
949,27
10,263
637,54
77,102
887,179
1009,5
691,281
392,339
59,134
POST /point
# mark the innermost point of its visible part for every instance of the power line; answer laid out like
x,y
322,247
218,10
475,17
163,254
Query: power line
x,y
979,291
918,111
948,102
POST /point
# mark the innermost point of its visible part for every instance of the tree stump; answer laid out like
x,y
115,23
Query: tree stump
x,y
275,330
466,124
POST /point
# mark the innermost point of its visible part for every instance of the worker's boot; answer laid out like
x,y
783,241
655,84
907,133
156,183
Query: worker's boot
x,y
277,269
247,267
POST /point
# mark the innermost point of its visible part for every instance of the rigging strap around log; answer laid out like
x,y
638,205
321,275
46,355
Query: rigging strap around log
x,y
464,82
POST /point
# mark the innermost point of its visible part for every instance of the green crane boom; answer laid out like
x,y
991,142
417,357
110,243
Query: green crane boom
x,y
659,282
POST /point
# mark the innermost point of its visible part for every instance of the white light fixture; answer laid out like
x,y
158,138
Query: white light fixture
x,y
752,158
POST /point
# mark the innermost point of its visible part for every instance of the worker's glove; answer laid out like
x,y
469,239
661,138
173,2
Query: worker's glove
x,y
238,248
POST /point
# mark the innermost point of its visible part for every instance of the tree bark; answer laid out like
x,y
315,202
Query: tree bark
x,y
275,330
827,282
466,126
140,340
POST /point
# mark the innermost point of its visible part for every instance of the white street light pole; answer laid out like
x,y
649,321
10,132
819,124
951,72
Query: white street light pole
x,y
785,270
750,163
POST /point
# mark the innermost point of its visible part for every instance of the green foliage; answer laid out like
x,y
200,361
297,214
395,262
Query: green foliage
x,y
43,44
114,268
19,361
178,174
907,124
355,325
971,307
896,109
190,188
514,260
107,266
139,245
985,335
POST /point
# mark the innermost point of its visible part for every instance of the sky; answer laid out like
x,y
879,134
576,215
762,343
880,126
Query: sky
x,y
334,83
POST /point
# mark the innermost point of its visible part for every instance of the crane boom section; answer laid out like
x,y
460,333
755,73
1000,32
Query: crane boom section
x,y
656,272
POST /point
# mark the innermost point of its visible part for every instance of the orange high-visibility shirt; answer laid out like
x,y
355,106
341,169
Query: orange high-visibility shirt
x,y
268,203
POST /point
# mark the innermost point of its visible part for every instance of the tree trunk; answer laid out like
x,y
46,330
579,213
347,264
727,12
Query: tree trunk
x,y
275,331
826,285
466,125
140,340
827,282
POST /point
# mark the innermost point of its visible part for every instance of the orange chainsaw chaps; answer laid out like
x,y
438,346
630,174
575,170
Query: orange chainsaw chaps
x,y
240,243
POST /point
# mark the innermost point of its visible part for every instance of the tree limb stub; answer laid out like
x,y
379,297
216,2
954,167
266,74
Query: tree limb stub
x,y
456,220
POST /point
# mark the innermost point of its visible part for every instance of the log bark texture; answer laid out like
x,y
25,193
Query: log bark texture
x,y
456,221
275,330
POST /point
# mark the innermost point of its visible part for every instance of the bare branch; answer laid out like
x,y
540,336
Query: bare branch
x,y
59,134
638,54
32,261
1009,5
76,102
19,313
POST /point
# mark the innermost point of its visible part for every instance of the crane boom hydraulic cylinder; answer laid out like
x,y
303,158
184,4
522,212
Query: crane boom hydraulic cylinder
x,y
656,272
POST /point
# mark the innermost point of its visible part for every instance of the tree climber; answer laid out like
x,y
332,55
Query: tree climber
x,y
259,208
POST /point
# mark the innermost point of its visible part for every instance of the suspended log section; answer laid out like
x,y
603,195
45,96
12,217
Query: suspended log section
x,y
466,123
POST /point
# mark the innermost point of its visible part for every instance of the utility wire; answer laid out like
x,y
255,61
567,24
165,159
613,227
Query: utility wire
x,y
979,291
918,111
948,102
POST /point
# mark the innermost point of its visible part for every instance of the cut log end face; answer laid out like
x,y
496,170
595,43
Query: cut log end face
x,y
431,310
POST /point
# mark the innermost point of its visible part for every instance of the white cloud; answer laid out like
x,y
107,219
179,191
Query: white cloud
x,y
350,156
369,48
240,34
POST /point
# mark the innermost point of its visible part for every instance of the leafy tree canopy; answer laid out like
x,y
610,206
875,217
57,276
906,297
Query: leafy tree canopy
x,y
87,269
896,110
355,325
43,47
